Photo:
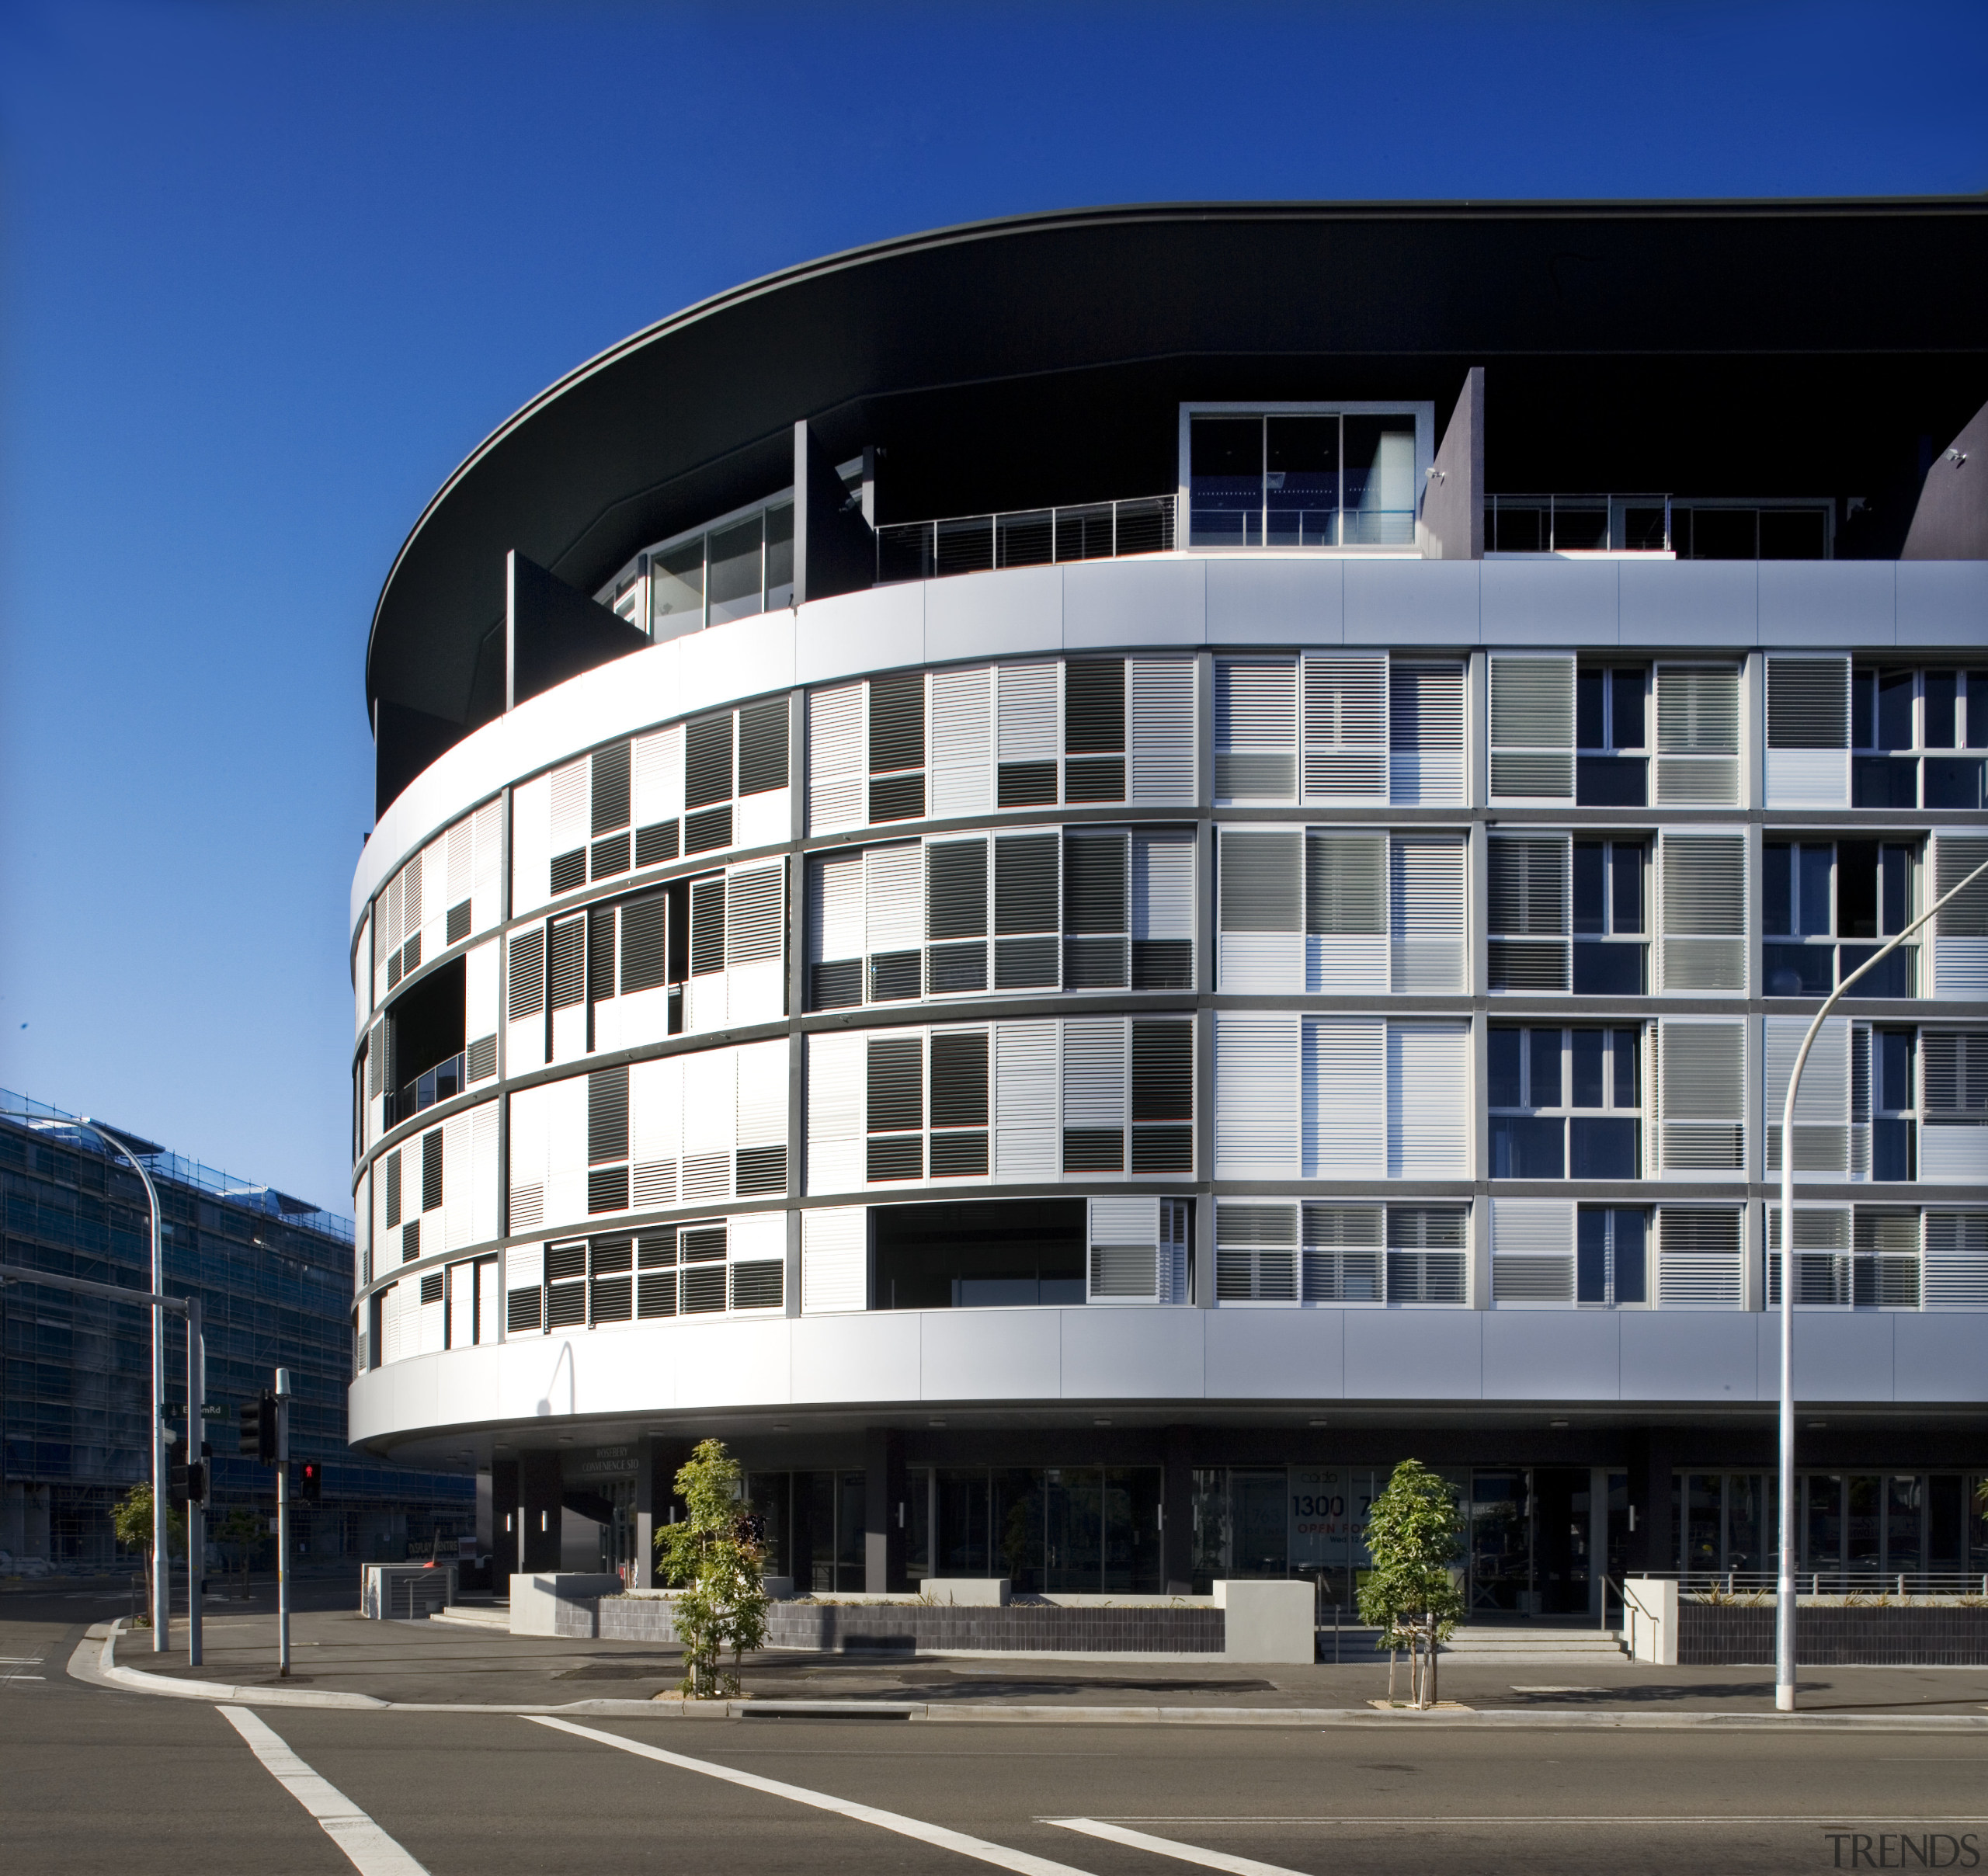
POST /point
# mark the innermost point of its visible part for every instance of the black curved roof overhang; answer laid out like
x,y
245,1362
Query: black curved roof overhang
x,y
1038,324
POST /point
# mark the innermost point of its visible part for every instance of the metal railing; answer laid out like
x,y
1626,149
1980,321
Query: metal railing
x,y
443,1083
1872,1583
1024,537
1577,524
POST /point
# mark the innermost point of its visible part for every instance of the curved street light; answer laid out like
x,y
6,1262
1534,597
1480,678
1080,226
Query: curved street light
x,y
1783,1615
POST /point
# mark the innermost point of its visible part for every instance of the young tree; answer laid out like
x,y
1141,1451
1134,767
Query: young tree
x,y
1413,1534
716,1554
131,1521
243,1529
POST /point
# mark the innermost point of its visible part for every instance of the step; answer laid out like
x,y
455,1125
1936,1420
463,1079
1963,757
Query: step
x,y
473,1618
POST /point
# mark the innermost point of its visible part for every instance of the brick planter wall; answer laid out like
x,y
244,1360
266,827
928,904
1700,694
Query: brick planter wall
x,y
834,1628
1721,1635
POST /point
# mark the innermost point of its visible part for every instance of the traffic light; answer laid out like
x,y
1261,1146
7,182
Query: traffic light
x,y
310,1482
259,1427
176,1480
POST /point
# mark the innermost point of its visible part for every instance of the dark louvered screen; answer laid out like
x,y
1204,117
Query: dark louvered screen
x,y
836,986
959,1079
1094,705
708,830
600,954
1094,879
565,1260
607,1190
761,1171
708,760
656,1281
1094,778
1025,784
897,722
762,746
894,977
960,1155
897,797
703,1289
521,1311
410,1240
394,1188
610,857
431,1170
411,956
569,871
896,1083
566,974
1025,883
459,922
757,1285
1163,963
644,944
706,926
482,1058
607,1115
527,985
1093,1149
895,1156
1162,1096
431,1288
956,889
656,844
610,789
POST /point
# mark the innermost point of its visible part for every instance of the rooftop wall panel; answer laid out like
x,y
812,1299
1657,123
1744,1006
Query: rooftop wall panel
x,y
1160,602
1942,602
1829,602
1552,601
1410,601
1298,601
1698,602
1009,614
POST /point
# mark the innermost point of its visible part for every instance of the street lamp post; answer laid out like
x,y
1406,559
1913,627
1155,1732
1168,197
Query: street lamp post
x,y
1784,1617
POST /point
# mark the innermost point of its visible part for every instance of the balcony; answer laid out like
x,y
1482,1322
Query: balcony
x,y
443,1083
1577,524
1024,537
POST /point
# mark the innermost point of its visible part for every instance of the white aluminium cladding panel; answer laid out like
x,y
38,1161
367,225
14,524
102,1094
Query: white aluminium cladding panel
x,y
1074,1355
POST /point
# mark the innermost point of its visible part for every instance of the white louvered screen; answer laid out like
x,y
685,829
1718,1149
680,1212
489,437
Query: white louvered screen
x,y
483,1012
1699,1257
480,1194
1529,901
1028,732
1094,1072
1428,1084
1345,1096
894,903
361,1231
462,1305
1956,1260
1426,894
1160,733
1702,1085
1163,909
399,1306
1346,728
761,1136
1532,727
1261,896
1701,911
524,1290
656,789
1027,1105
1346,913
1344,1258
834,886
1822,1106
1532,1250
655,1131
835,1257
1808,753
755,1245
1960,932
1256,1256
836,1078
1258,1105
1698,735
755,943
836,765
1256,730
1425,733
548,1155
1953,1131
962,762
570,817
531,844
711,1096
362,976
1124,1261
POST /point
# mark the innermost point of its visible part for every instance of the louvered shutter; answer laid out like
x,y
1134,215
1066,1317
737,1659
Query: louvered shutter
x,y
458,910
1160,732
895,1106
1341,1254
1261,873
1808,754
1094,1095
656,795
1258,1105
565,988
1256,730
1701,885
1256,1252
836,766
1346,913
1097,864
710,1126
451,1189
482,1013
1162,1095
1960,932
1026,1101
1532,1250
485,1180
1163,908
532,1117
610,779
956,915
1822,1108
704,998
567,846
894,923
1701,1095
836,930
1027,895
1094,729
763,814
1426,887
486,866
656,1131
756,1245
1425,733
1698,735
1532,727
641,1012
756,943
1345,1097
461,1306
761,1139
1697,1257
1530,890
524,1287
962,740
1956,1260
834,1259
607,1140
897,747
958,1107
1124,1256
1346,729
362,975
361,1231
1428,1084
1027,734
1953,1131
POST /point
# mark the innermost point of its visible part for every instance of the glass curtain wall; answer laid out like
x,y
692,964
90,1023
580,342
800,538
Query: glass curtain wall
x,y
1308,480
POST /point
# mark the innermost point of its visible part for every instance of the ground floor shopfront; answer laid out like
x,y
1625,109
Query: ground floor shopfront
x,y
1551,1514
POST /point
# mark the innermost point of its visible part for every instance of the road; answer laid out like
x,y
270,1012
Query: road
x,y
95,1780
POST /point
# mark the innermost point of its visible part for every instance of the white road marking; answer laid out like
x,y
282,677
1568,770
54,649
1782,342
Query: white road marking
x,y
369,1849
998,1854
25,1661
1428,1820
1165,1847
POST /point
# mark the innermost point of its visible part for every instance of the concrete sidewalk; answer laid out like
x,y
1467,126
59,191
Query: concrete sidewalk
x,y
339,1658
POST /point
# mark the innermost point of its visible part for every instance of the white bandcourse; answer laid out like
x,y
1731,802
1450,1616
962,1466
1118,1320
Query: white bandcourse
x,y
367,1847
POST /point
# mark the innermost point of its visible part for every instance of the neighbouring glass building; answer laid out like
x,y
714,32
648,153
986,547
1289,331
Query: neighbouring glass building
x,y
1081,879
274,1276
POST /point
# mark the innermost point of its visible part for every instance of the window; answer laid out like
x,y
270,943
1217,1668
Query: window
x,y
1953,1136
1884,1094
1611,715
1908,731
1532,727
1337,1252
996,1253
1744,530
732,569
1611,1256
1808,762
706,1267
1701,1089
1565,1103
1816,892
1302,479
1866,1257
1699,1257
1701,881
1609,950
1698,735
1529,892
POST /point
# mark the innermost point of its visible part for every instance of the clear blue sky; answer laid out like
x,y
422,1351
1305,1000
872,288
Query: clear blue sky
x,y
269,273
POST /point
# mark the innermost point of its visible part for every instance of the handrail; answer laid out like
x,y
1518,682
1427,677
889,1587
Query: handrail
x,y
1024,537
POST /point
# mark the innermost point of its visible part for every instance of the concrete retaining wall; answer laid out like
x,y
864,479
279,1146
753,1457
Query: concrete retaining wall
x,y
1721,1635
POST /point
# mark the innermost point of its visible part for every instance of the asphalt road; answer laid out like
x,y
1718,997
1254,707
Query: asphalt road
x,y
93,1780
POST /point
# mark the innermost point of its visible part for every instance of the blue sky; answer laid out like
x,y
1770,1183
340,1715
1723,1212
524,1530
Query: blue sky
x,y
268,273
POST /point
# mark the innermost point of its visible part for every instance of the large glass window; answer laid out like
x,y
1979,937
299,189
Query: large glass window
x,y
733,572
1910,731
1565,1103
1309,479
1814,893
1610,718
1610,943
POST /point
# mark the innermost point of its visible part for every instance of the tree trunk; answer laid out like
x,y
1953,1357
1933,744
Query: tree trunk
x,y
1434,1644
1394,1655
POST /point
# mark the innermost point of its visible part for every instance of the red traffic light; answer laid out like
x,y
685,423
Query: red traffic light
x,y
311,1481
